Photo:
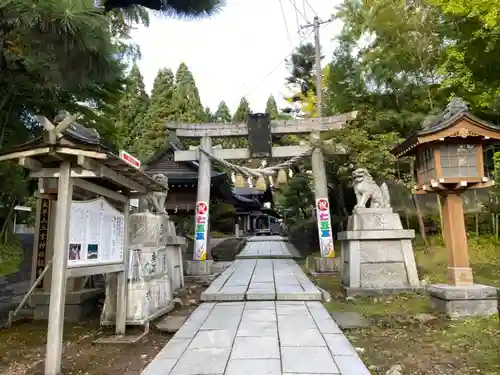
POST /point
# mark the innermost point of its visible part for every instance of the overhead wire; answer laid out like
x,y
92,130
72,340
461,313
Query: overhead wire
x,y
310,6
276,67
297,18
297,9
286,25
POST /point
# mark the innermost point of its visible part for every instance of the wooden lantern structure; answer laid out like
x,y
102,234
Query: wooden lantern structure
x,y
449,160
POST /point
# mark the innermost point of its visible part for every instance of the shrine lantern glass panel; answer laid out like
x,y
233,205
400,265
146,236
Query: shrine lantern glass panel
x,y
458,160
426,165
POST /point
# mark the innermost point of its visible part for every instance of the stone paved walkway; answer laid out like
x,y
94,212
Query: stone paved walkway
x,y
267,249
294,336
262,279
258,338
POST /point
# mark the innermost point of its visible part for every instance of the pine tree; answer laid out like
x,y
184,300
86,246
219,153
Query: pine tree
x,y
132,110
223,114
272,108
241,114
155,134
187,103
209,116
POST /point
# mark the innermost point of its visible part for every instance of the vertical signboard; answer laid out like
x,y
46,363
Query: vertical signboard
x,y
43,235
200,231
324,228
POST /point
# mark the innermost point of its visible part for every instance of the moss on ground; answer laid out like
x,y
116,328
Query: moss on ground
x,y
436,347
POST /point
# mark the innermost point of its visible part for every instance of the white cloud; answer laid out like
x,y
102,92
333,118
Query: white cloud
x,y
234,53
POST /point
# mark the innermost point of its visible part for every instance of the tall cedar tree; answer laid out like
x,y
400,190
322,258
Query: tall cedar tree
x,y
160,109
187,104
272,108
132,111
223,114
242,112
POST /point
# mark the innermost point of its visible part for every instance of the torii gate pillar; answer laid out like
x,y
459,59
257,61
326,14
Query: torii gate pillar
x,y
201,215
324,263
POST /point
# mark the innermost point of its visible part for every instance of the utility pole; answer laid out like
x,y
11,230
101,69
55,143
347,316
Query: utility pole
x,y
325,263
319,74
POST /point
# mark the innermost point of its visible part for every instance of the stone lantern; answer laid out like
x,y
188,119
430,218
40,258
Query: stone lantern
x,y
449,160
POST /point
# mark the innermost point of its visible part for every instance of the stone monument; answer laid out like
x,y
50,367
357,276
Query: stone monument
x,y
376,252
155,268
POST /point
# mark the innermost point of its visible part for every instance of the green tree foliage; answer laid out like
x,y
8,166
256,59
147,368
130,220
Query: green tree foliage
x,y
154,135
302,73
242,112
397,62
187,104
272,108
209,116
131,111
298,199
223,114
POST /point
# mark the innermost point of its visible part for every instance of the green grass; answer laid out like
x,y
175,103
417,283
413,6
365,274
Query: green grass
x,y
438,347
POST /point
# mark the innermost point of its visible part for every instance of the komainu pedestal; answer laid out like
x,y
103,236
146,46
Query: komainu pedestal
x,y
376,253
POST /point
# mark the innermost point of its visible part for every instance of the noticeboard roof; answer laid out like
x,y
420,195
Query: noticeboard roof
x,y
87,152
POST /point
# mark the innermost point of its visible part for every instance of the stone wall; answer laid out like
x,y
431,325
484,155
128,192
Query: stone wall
x,y
14,286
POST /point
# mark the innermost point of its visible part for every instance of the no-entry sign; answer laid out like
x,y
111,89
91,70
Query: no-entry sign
x,y
201,208
322,205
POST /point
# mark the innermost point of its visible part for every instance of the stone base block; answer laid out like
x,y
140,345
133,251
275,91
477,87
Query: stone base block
x,y
198,267
376,292
464,301
79,305
326,265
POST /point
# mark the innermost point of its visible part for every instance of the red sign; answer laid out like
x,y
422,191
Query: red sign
x,y
322,205
129,159
201,208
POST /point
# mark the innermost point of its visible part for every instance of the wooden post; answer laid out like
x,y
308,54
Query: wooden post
x,y
59,267
122,278
459,271
203,202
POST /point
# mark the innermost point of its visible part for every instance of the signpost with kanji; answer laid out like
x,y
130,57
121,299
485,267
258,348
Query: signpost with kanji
x,y
324,227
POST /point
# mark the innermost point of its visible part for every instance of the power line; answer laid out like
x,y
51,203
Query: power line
x,y
286,25
310,6
275,68
297,9
296,17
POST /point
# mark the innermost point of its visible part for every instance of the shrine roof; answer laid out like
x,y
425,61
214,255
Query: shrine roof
x,y
432,128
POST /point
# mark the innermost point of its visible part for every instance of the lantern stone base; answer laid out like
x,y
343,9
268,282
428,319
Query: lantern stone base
x,y
376,254
464,301
79,305
324,265
198,267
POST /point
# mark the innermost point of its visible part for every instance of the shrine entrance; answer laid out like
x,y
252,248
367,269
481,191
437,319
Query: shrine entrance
x,y
260,131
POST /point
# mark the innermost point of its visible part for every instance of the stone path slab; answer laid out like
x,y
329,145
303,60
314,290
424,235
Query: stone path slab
x,y
269,250
262,279
266,238
258,338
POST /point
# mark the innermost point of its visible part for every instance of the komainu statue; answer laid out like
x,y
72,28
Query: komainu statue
x,y
367,190
156,200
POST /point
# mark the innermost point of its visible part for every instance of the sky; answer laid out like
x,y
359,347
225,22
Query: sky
x,y
238,52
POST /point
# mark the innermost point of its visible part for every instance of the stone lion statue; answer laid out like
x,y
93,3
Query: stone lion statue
x,y
367,190
156,200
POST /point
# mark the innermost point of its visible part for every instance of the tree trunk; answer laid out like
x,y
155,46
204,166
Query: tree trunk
x,y
421,225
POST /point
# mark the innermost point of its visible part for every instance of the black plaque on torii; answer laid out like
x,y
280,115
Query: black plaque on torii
x,y
259,136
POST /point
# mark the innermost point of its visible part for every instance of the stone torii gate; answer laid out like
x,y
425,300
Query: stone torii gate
x,y
259,130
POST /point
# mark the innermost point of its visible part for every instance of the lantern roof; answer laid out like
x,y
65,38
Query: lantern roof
x,y
455,121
